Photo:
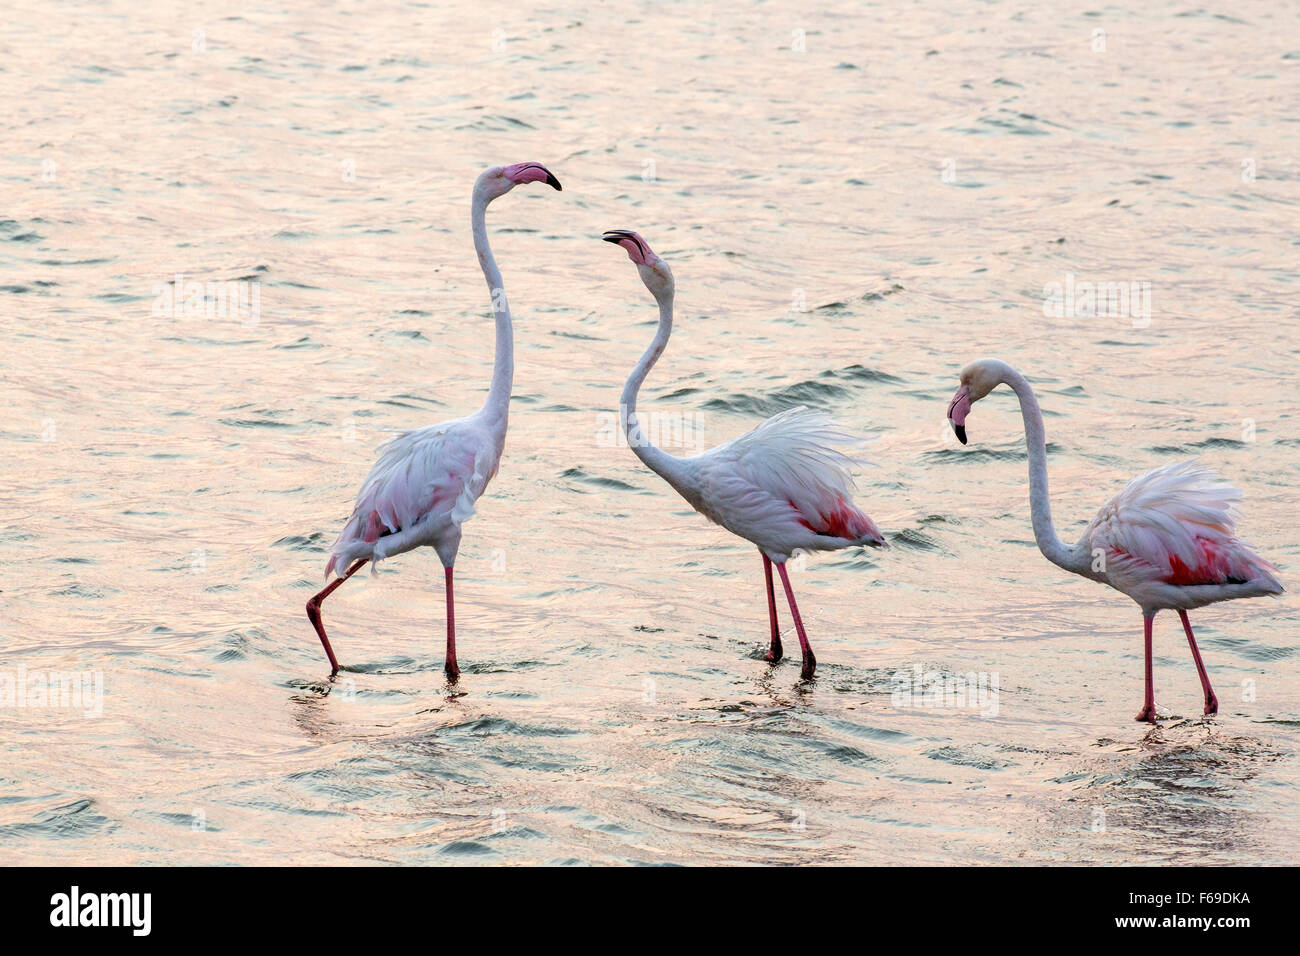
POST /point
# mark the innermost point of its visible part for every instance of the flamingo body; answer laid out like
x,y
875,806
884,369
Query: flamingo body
x,y
784,486
421,491
1170,543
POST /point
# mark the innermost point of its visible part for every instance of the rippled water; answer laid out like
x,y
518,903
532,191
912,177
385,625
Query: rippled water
x,y
914,177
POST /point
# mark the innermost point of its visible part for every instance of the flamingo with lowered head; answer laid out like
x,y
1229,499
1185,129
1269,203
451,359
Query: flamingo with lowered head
x,y
1166,540
424,486
783,486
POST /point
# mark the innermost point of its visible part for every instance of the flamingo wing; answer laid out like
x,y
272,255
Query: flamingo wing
x,y
434,472
790,465
1176,525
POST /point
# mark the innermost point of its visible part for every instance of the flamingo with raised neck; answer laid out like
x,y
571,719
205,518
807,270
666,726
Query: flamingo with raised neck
x,y
425,483
783,486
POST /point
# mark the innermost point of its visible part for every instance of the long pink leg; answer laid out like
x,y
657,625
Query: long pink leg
x,y
1148,711
453,671
313,612
1211,702
775,651
809,661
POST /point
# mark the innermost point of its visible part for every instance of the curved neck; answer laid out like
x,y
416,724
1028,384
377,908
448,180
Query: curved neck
x,y
656,459
1053,548
503,367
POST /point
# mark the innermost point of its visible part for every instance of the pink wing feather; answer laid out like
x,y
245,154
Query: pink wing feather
x,y
420,474
793,456
1176,524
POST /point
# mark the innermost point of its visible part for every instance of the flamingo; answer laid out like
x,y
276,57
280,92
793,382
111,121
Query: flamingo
x,y
1167,540
426,481
782,486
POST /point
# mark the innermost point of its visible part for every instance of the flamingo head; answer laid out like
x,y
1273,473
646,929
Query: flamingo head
x,y
499,180
656,275
977,380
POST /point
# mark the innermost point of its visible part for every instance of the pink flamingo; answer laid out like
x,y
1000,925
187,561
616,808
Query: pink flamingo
x,y
782,486
423,488
1166,540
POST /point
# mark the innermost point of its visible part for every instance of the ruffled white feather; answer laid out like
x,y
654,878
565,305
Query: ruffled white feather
x,y
1180,514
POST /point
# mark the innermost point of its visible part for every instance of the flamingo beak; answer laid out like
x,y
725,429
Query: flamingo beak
x,y
636,248
958,409
521,173
618,235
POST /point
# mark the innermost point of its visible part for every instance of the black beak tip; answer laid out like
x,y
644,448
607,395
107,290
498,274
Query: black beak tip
x,y
553,182
960,432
